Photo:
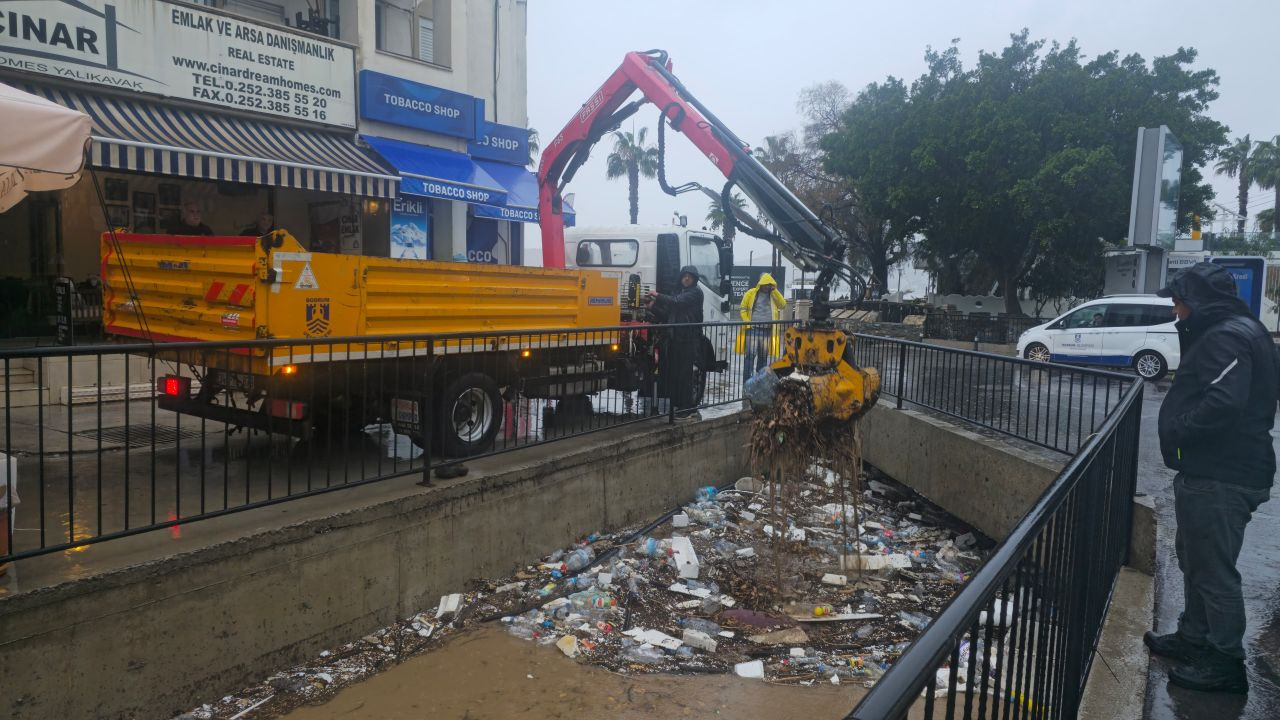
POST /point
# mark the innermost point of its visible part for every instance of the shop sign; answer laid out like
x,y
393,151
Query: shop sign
x,y
410,228
518,214
179,51
397,101
501,143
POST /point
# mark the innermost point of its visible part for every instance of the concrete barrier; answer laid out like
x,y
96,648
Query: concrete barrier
x,y
989,485
156,639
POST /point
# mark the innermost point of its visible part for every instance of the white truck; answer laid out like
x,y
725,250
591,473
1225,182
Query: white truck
x,y
645,258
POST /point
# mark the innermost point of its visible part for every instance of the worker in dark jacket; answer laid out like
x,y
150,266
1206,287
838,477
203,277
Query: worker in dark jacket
x,y
1215,430
680,349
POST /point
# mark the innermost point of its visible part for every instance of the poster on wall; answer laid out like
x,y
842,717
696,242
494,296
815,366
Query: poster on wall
x,y
410,228
176,50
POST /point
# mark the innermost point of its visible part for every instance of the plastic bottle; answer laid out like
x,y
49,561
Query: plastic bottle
x,y
652,547
547,589
700,624
579,559
915,620
555,557
645,654
706,493
595,598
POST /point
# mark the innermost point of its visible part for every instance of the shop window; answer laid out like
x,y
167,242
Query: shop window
x,y
408,27
320,18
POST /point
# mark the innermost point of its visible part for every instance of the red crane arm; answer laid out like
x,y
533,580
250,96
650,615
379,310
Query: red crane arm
x,y
649,73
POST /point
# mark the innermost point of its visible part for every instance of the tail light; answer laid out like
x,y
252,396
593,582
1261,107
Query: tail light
x,y
288,409
175,386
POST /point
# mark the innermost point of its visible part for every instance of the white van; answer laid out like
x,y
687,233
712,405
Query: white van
x,y
1120,330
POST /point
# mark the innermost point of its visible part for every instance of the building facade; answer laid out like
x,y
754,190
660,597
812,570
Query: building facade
x,y
378,127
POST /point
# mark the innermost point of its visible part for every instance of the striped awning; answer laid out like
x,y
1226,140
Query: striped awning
x,y
143,136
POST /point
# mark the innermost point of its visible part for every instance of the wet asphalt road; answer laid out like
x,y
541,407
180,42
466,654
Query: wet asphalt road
x,y
1259,567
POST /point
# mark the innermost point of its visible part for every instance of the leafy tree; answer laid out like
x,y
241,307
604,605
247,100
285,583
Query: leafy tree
x,y
1267,220
1018,168
1234,162
1266,172
631,158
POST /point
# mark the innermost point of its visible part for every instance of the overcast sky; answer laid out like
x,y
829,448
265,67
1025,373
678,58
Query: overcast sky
x,y
747,60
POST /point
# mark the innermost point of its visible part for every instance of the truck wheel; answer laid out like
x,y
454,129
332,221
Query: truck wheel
x,y
469,415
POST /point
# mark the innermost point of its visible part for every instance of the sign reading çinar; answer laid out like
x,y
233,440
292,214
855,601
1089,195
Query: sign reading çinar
x,y
179,51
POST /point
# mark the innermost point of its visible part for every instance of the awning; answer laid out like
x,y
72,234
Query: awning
x,y
522,194
143,136
432,172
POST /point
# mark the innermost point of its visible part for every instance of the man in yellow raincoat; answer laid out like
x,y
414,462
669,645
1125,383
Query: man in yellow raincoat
x,y
761,304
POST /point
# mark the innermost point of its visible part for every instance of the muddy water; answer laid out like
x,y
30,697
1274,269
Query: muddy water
x,y
486,673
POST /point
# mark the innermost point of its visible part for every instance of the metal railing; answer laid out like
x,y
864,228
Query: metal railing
x,y
115,440
1018,639
1054,406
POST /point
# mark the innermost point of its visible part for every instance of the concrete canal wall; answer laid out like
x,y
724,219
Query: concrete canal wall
x,y
156,638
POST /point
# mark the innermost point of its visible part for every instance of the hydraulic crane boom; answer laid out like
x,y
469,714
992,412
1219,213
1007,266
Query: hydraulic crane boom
x,y
815,351
799,234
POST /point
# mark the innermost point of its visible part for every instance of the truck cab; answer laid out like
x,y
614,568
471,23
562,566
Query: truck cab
x,y
649,258
645,258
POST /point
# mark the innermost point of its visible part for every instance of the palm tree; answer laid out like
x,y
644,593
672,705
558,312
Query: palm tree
x,y
1266,172
534,147
715,213
632,157
1235,162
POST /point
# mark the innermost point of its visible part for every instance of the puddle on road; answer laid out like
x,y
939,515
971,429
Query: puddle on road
x,y
484,674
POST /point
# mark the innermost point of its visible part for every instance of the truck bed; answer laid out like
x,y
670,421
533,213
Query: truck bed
x,y
244,288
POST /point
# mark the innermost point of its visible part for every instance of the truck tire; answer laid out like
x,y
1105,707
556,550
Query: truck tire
x,y
469,415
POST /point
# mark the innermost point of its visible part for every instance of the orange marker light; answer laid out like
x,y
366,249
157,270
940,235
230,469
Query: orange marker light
x,y
289,370
526,353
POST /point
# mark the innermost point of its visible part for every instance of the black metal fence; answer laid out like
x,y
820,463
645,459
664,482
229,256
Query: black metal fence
x,y
1054,406
1018,639
114,440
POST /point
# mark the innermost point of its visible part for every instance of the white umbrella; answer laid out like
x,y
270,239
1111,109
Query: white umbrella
x,y
42,147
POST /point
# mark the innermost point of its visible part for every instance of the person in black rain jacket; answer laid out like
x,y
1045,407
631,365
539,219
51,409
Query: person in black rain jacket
x,y
1215,430
680,351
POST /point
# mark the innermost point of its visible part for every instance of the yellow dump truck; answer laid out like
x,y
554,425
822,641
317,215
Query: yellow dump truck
x,y
355,359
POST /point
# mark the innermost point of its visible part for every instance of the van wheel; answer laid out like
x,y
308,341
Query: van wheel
x,y
1037,352
1150,365
469,415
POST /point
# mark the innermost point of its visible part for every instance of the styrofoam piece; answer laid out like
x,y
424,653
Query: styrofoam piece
x,y
658,638
797,652
747,515
680,520
699,639
568,645
834,579
449,605
745,552
752,669
685,557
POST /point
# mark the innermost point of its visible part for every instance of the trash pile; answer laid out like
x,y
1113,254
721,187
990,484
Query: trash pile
x,y
700,593
697,592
